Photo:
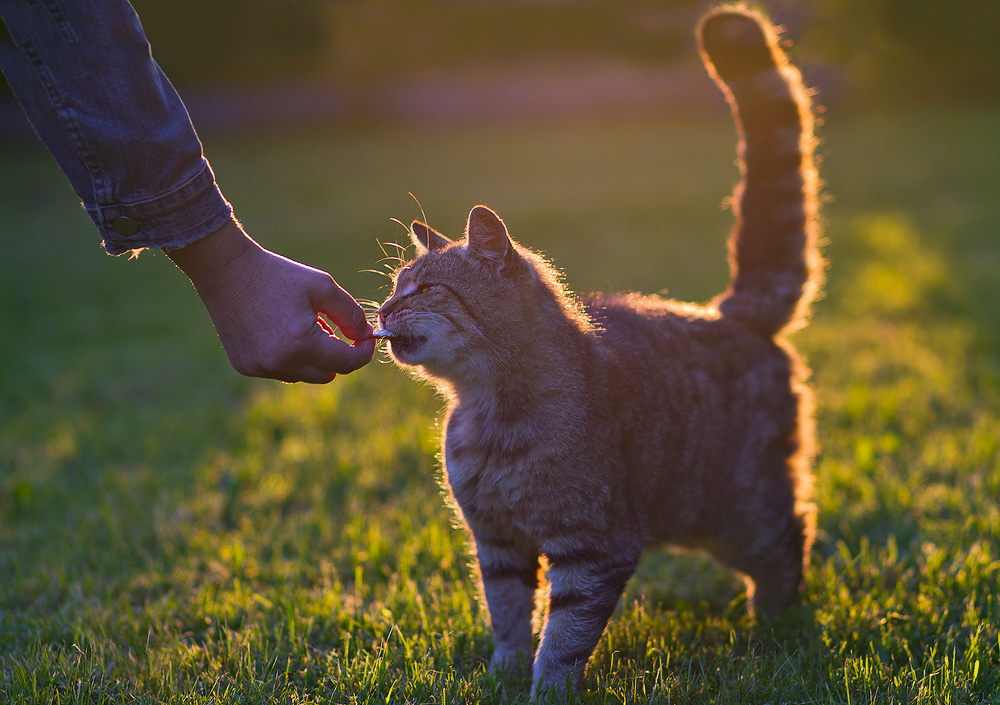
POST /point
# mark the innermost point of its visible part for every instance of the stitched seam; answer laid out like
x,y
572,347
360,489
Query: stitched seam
x,y
168,197
65,28
67,114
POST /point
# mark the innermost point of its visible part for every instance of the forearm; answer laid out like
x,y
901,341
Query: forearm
x,y
84,73
113,122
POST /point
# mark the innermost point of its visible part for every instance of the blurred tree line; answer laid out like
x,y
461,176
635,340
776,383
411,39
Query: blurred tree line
x,y
927,50
360,41
236,41
923,49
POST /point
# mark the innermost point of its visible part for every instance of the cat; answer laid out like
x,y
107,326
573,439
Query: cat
x,y
583,430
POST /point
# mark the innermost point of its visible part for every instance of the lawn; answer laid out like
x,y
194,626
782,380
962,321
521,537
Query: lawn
x,y
172,532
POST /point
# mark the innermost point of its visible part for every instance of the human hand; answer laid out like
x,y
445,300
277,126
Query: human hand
x,y
266,309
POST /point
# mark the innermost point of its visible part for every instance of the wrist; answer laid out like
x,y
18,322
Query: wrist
x,y
202,260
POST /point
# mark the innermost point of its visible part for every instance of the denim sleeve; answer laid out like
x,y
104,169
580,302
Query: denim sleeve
x,y
83,72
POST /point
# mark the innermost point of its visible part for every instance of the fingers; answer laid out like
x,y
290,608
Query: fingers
x,y
269,312
299,341
311,352
326,353
317,358
330,353
340,307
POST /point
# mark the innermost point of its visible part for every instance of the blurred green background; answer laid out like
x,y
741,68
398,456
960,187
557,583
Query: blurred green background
x,y
891,48
173,532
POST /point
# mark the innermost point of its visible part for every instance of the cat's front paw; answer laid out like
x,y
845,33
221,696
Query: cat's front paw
x,y
511,661
553,689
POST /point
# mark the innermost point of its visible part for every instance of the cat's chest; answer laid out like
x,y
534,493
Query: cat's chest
x,y
488,463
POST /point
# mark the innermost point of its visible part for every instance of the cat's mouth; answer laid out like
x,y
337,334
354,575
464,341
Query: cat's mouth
x,y
403,344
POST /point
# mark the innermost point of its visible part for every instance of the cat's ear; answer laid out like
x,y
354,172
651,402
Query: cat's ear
x,y
488,235
427,238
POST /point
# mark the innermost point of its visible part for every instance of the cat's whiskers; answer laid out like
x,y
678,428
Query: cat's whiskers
x,y
417,322
471,325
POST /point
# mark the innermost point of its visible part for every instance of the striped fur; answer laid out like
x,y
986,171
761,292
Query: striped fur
x,y
585,430
773,256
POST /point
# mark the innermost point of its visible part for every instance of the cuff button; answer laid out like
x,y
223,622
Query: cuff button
x,y
125,226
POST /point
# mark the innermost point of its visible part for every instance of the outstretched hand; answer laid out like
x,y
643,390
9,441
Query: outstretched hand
x,y
272,313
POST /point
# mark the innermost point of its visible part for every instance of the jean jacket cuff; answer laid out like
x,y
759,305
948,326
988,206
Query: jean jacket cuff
x,y
191,211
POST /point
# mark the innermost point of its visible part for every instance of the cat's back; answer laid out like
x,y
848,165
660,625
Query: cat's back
x,y
651,335
682,376
688,396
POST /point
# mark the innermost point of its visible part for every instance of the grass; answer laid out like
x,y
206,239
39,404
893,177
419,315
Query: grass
x,y
171,532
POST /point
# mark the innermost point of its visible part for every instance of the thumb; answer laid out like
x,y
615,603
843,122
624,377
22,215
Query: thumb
x,y
329,298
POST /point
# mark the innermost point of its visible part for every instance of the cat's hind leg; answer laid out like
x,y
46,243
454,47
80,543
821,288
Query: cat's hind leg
x,y
767,526
774,569
584,589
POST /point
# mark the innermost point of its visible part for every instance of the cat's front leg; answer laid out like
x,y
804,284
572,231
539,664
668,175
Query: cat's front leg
x,y
584,589
509,572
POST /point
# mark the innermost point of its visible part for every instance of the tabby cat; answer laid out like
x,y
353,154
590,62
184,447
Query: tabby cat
x,y
583,430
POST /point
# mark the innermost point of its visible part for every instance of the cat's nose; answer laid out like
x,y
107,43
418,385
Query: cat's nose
x,y
387,308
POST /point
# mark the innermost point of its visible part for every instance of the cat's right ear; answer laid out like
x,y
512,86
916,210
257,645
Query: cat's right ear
x,y
427,238
488,235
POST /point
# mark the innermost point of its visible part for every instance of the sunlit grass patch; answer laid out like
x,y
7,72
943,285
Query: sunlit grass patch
x,y
170,532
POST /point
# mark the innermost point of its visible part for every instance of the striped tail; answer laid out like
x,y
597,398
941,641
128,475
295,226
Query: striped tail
x,y
773,250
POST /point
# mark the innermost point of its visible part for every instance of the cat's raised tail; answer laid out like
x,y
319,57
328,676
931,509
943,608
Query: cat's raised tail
x,y
773,249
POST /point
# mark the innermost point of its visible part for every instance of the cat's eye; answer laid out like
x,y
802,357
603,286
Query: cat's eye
x,y
423,288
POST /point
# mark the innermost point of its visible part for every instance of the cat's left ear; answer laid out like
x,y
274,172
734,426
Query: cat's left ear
x,y
427,238
488,235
